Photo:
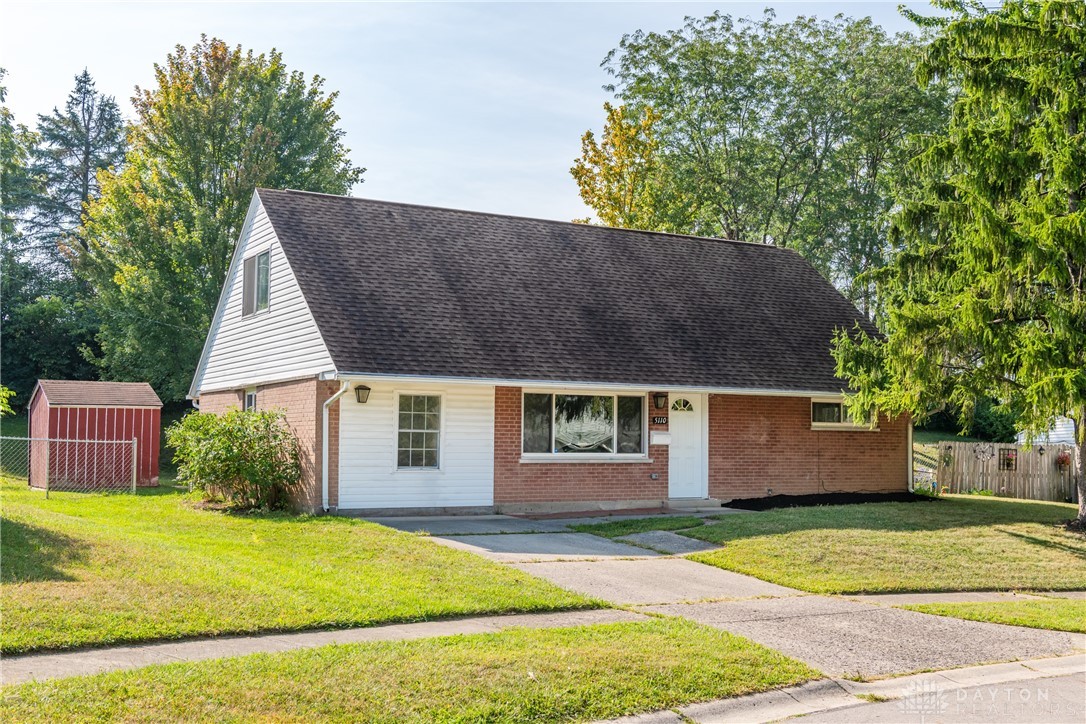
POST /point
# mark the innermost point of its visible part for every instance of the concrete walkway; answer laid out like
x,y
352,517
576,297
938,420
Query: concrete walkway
x,y
1046,691
30,667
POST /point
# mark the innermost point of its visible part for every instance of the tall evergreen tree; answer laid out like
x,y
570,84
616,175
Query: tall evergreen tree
x,y
75,144
987,297
218,123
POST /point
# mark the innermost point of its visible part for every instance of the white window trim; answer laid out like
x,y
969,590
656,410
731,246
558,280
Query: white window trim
x,y
256,275
842,426
251,392
553,457
396,469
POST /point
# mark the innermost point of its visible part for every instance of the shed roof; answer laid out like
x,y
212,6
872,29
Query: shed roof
x,y
399,289
99,394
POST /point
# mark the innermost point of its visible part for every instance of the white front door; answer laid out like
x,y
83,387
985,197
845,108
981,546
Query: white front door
x,y
686,473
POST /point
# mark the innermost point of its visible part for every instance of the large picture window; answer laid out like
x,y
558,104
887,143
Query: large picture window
x,y
419,431
583,424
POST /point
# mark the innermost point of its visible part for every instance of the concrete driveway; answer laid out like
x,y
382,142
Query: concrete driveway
x,y
841,637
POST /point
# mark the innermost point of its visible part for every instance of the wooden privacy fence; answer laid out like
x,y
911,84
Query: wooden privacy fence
x,y
1007,469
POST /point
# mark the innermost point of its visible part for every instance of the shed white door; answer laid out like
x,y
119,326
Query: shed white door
x,y
686,473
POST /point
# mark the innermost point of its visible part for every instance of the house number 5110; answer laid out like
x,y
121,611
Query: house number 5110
x,y
659,421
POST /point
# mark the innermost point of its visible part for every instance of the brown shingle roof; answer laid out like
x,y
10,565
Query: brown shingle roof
x,y
99,394
399,289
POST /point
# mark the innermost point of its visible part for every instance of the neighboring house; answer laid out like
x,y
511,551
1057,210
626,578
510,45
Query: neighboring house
x,y
1062,432
439,360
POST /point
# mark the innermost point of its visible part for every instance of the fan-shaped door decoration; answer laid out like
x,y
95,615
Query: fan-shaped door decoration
x,y
682,405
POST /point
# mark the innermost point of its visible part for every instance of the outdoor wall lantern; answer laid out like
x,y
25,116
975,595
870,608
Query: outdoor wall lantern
x,y
1041,450
362,394
659,399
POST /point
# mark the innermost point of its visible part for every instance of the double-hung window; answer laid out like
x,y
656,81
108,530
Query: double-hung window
x,y
250,400
418,437
255,273
578,424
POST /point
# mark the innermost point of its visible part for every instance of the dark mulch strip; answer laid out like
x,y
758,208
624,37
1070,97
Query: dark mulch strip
x,y
805,501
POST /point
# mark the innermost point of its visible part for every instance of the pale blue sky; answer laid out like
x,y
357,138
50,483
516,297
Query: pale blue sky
x,y
470,105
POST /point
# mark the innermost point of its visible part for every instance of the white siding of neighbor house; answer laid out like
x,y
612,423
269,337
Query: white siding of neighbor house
x,y
276,344
368,476
1062,432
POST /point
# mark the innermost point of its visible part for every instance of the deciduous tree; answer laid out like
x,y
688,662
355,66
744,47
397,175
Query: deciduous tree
x,y
621,177
779,133
987,296
218,123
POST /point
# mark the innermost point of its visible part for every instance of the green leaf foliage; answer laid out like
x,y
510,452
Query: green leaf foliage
x,y
218,123
986,296
779,133
250,458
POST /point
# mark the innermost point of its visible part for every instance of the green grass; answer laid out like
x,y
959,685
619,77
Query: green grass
x,y
15,426
957,543
1058,614
81,570
519,675
619,528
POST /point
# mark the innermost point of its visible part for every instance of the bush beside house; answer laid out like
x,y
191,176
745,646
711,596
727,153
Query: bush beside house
x,y
250,459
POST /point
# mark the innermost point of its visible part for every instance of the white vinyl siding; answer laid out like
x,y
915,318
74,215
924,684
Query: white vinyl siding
x,y
279,343
368,473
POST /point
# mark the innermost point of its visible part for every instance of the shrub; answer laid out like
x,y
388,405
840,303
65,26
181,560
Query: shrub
x,y
927,488
249,458
981,491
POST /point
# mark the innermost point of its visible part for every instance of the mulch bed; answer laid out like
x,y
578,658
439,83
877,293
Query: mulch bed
x,y
806,501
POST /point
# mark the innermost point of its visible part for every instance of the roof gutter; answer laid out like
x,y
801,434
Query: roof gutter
x,y
343,387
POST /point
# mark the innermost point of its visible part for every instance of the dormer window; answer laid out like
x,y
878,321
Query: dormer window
x,y
254,281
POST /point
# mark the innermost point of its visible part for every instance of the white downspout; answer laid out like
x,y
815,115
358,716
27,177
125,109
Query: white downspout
x,y
346,385
911,474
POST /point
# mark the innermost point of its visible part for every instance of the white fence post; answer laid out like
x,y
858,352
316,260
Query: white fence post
x,y
135,448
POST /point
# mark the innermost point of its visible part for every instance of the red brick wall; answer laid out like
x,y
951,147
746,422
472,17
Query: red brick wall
x,y
761,443
517,482
302,401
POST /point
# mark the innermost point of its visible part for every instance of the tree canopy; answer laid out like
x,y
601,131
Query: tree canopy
x,y
780,133
986,296
218,123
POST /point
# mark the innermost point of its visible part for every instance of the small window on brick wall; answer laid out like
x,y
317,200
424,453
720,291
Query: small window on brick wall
x,y
250,399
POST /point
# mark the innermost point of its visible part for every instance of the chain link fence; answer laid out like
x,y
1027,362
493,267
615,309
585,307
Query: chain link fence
x,y
70,465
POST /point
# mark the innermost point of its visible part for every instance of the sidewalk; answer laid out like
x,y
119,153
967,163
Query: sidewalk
x,y
31,667
913,697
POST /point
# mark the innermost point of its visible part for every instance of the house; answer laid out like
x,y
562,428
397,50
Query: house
x,y
1061,432
440,360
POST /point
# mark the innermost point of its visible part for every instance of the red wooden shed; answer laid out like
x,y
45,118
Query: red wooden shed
x,y
93,435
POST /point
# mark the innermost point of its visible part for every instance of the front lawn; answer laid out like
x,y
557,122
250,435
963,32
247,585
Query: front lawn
x,y
958,543
1058,614
82,570
519,675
